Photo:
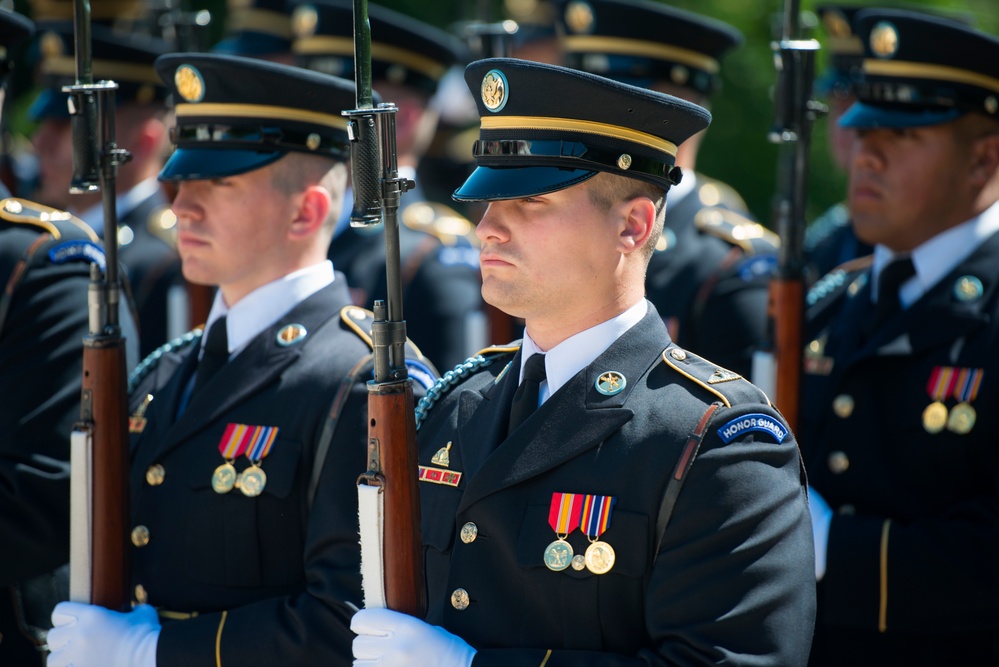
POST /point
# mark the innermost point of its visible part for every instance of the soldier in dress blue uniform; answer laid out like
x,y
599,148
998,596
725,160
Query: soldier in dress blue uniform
x,y
899,415
246,442
45,259
564,536
257,29
439,258
146,233
709,276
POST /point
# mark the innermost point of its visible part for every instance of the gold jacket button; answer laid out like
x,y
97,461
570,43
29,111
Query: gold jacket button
x,y
155,474
469,532
140,594
459,599
838,462
140,536
843,405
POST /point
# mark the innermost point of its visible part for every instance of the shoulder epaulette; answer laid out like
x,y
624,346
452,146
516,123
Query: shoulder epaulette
x,y
834,281
737,230
150,362
715,193
730,387
22,211
162,224
457,375
359,320
440,221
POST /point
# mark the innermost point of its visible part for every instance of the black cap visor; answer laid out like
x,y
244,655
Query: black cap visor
x,y
193,164
494,183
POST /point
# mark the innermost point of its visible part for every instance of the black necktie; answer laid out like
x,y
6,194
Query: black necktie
x,y
525,401
889,283
214,356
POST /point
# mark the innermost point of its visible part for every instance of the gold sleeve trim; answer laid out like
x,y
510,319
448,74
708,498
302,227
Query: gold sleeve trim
x,y
575,125
636,47
218,640
883,604
912,70
545,661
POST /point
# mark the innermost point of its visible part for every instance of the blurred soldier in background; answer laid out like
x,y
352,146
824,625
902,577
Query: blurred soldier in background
x,y
146,233
257,29
709,276
830,239
900,395
45,259
441,285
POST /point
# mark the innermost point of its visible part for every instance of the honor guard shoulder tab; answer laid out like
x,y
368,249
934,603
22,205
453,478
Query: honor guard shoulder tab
x,y
149,364
460,373
162,224
737,229
421,369
52,220
728,386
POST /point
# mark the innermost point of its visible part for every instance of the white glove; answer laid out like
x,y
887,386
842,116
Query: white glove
x,y
391,639
85,635
821,518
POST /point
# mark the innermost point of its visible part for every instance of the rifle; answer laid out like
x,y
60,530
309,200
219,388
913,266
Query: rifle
x,y
794,112
99,482
392,556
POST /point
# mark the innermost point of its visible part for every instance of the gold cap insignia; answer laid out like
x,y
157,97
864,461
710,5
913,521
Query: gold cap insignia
x,y
443,456
836,24
312,141
679,74
991,104
189,83
624,162
304,21
968,288
610,383
494,90
884,40
579,17
291,334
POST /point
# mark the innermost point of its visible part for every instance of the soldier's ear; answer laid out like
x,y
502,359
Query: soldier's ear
x,y
637,222
313,211
985,159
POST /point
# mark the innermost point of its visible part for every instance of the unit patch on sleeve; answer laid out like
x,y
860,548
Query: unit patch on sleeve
x,y
752,422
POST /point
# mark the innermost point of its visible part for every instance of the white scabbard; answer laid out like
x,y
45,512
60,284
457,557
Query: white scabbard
x,y
371,514
80,514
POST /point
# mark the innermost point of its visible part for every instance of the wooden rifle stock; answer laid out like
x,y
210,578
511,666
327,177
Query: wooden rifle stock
x,y
104,398
786,311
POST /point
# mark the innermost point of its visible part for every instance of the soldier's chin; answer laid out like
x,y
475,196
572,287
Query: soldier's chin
x,y
502,297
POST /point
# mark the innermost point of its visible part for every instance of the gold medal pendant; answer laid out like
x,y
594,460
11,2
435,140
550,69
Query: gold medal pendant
x,y
962,419
935,417
252,481
599,557
224,478
558,555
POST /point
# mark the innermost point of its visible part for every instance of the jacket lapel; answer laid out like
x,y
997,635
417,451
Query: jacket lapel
x,y
255,367
541,443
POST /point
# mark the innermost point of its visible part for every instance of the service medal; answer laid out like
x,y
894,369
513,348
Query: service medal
x,y
563,517
224,478
962,419
558,555
599,557
579,562
252,481
935,417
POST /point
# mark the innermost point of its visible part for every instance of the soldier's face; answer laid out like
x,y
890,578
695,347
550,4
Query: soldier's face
x,y
53,143
908,185
233,232
550,257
